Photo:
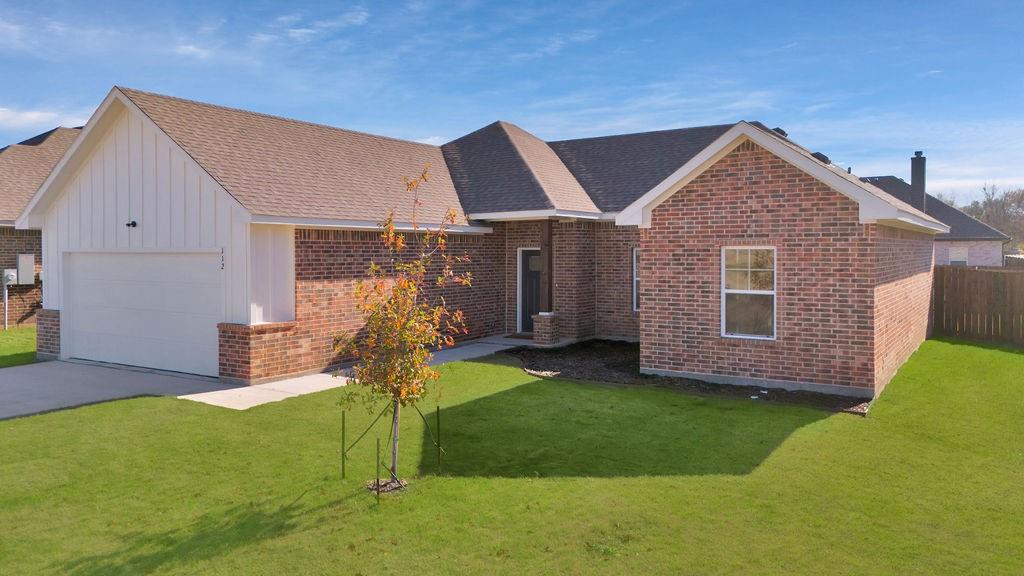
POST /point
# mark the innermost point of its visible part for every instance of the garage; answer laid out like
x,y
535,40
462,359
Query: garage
x,y
156,310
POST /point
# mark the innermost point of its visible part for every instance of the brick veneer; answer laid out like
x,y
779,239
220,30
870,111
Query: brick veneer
x,y
545,329
902,298
613,297
328,265
827,277
24,299
979,252
47,334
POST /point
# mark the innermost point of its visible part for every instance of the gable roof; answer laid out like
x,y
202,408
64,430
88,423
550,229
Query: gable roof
x,y
961,225
503,168
875,205
288,168
25,165
289,171
616,170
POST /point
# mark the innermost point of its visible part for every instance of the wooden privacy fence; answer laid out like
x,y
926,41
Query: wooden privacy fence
x,y
979,303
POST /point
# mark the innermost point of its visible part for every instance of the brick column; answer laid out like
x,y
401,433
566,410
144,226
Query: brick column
x,y
545,329
47,334
251,354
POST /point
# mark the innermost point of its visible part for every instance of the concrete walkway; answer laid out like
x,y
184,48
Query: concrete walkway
x,y
248,396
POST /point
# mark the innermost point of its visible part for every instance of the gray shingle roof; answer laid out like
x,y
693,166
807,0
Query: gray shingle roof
x,y
501,168
279,167
617,170
25,165
961,226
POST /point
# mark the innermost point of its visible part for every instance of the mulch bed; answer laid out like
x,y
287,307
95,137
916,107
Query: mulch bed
x,y
619,362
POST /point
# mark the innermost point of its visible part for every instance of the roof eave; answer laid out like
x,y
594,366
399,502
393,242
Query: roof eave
x,y
512,215
366,224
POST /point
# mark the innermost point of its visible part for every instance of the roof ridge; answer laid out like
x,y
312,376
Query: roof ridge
x,y
519,153
126,91
642,133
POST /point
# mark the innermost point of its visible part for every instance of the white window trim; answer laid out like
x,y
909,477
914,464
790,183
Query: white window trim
x,y
635,254
773,293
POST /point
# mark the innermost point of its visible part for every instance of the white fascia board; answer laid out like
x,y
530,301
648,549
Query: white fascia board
x,y
540,215
31,217
872,208
365,225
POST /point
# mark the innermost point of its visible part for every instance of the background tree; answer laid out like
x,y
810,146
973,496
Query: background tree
x,y
406,317
1003,210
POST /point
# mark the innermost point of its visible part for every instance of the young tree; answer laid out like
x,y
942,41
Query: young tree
x,y
406,316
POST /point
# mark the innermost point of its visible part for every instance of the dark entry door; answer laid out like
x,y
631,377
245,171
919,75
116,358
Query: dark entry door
x,y
529,288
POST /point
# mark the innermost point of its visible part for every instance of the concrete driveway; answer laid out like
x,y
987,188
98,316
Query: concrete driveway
x,y
46,386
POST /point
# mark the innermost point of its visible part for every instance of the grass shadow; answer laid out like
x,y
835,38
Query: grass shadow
x,y
211,535
984,344
562,428
17,359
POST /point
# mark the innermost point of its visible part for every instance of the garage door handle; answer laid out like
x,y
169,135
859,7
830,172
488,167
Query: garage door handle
x,y
131,224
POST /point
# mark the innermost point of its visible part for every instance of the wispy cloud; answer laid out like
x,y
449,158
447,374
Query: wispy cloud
x,y
556,44
11,35
15,119
930,74
432,140
192,51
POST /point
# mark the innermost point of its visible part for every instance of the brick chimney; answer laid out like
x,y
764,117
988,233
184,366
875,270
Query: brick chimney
x,y
917,181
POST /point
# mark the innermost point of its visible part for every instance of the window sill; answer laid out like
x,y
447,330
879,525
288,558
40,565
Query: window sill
x,y
754,338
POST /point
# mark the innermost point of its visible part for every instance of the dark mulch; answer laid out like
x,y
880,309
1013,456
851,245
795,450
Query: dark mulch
x,y
619,362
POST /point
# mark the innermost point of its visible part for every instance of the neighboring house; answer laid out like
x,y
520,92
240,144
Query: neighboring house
x,y
23,167
969,242
192,237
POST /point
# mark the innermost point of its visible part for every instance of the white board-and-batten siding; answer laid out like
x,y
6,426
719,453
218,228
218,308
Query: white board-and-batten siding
x,y
135,172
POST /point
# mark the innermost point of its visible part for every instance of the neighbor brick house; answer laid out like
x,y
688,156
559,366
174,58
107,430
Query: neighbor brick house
x,y
23,167
969,241
185,236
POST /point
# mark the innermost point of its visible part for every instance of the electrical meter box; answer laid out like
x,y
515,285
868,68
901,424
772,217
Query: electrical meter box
x,y
26,268
10,276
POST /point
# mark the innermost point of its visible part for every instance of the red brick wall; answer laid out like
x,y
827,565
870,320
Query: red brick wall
x,y
824,276
902,298
328,265
613,298
574,277
47,334
24,300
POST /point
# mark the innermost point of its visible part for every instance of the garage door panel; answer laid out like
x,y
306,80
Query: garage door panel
x,y
141,296
152,267
153,310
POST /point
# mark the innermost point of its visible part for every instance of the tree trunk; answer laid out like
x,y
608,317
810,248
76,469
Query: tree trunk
x,y
394,441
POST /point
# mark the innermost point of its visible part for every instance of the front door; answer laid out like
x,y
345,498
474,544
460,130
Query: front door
x,y
529,288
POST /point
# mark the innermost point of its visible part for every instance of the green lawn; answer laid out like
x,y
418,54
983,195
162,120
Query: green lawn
x,y
541,477
17,346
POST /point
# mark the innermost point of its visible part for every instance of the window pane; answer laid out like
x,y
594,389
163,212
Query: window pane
x,y
749,315
737,258
533,263
762,280
762,259
737,280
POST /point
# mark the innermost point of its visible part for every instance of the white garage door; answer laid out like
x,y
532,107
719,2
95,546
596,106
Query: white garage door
x,y
153,310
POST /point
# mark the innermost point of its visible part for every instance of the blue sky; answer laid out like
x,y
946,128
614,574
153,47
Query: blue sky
x,y
866,83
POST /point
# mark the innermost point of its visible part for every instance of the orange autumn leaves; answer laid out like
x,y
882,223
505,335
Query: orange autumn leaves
x,y
406,320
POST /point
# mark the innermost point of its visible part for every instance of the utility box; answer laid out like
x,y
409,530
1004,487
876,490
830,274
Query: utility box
x,y
26,268
10,276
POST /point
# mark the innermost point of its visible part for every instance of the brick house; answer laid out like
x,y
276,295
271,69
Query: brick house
x,y
23,167
186,236
969,241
